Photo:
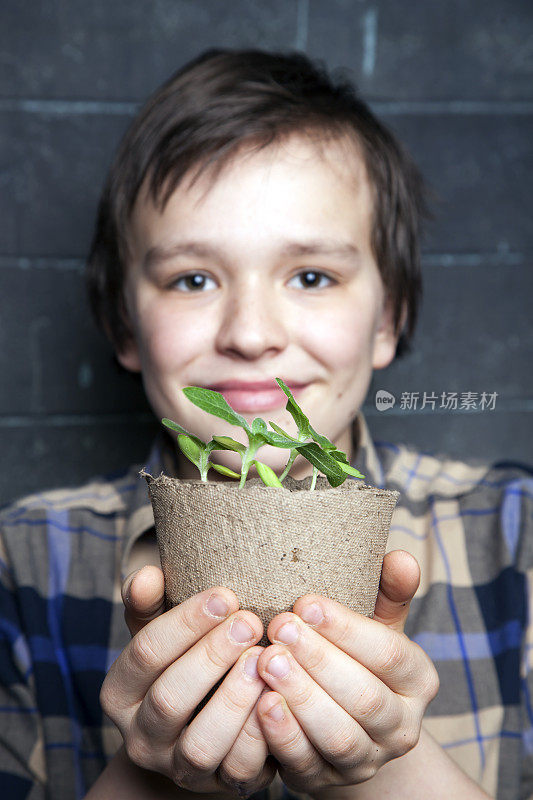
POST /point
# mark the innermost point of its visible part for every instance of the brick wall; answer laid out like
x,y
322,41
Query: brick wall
x,y
454,80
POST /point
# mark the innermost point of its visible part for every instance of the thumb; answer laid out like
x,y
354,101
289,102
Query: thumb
x,y
143,594
400,577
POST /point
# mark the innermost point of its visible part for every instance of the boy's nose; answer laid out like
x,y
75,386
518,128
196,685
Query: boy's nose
x,y
252,325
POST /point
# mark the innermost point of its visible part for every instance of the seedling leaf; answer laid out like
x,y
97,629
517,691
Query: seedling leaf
x,y
324,462
214,403
341,459
267,475
280,441
227,443
224,470
304,425
323,441
279,430
259,425
175,427
190,449
294,409
350,470
339,455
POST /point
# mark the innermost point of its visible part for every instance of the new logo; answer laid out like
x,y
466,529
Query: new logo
x,y
384,400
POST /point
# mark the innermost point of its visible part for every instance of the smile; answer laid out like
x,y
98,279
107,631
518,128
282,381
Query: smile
x,y
252,400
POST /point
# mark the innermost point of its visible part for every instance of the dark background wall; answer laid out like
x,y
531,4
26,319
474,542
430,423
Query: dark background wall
x,y
454,80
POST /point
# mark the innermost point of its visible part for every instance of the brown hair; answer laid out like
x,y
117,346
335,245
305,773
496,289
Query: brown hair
x,y
204,113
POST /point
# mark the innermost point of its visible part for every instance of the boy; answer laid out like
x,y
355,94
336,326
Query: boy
x,y
259,222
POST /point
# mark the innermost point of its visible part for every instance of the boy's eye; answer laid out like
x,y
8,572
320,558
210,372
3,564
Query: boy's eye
x,y
193,282
311,279
196,281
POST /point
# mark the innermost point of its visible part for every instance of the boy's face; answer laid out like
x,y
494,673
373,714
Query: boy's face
x,y
248,303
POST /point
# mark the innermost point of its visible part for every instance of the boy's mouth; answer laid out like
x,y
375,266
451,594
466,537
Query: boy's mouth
x,y
254,396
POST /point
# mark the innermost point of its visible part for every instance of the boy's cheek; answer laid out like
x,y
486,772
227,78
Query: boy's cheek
x,y
172,349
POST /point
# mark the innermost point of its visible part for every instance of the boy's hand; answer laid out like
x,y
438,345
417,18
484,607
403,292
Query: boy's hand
x,y
356,691
173,660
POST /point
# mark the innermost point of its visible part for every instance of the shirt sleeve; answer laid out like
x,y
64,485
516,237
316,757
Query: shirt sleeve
x,y
22,771
517,521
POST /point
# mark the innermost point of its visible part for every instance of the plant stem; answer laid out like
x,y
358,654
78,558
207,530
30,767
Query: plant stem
x,y
203,466
289,464
244,473
247,459
292,457
313,482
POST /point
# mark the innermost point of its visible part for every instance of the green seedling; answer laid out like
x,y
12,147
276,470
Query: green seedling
x,y
198,452
320,452
317,449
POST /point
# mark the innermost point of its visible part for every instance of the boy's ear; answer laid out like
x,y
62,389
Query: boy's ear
x,y
386,338
128,356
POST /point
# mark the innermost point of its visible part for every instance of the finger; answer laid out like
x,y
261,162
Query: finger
x,y
400,578
333,686
249,749
171,699
192,755
387,654
298,760
334,732
143,594
227,730
160,642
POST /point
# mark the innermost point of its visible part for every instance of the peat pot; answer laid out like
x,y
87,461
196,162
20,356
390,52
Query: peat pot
x,y
271,545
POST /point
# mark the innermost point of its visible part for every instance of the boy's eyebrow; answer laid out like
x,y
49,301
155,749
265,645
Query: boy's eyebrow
x,y
333,247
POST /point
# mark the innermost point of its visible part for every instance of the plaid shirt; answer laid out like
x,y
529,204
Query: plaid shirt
x,y
63,555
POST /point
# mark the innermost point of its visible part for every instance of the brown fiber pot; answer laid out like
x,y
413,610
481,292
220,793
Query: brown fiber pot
x,y
270,545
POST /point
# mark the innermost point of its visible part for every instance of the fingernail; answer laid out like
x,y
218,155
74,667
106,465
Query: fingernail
x,y
288,633
127,585
312,614
217,606
278,666
241,632
250,666
276,712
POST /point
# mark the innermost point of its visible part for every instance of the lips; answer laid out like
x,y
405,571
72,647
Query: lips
x,y
254,396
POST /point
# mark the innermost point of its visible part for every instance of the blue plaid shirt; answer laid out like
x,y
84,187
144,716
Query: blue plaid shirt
x,y
64,553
